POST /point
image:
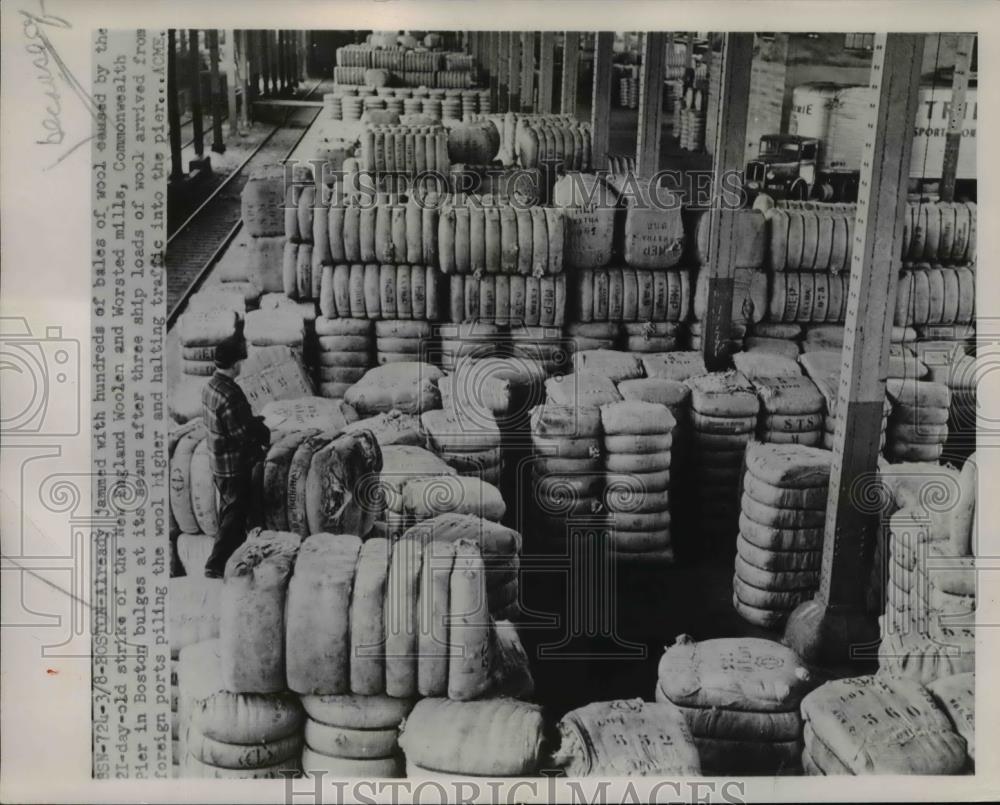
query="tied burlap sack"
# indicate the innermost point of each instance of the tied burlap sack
(736, 673)
(611, 363)
(391, 427)
(765, 364)
(252, 621)
(883, 725)
(674, 365)
(789, 465)
(317, 642)
(308, 412)
(410, 386)
(626, 738)
(351, 711)
(400, 464)
(726, 394)
(581, 389)
(494, 540)
(566, 421)
(223, 755)
(491, 737)
(636, 417)
(788, 395)
(672, 393)
(460, 430)
(738, 725)
(424, 498)
(340, 475)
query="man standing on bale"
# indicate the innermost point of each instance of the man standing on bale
(236, 439)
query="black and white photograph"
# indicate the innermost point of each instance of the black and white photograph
(554, 402)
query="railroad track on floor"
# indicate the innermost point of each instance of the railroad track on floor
(198, 243)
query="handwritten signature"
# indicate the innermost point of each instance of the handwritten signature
(49, 67)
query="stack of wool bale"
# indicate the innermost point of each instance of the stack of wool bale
(500, 547)
(878, 725)
(263, 212)
(779, 548)
(544, 346)
(918, 424)
(402, 463)
(586, 212)
(473, 340)
(927, 628)
(791, 406)
(400, 340)
(567, 474)
(410, 387)
(633, 295)
(823, 368)
(343, 355)
(948, 363)
(626, 738)
(193, 503)
(194, 617)
(200, 332)
(233, 733)
(379, 291)
(740, 697)
(470, 443)
(276, 327)
(724, 409)
(592, 335)
(778, 336)
(486, 402)
(444, 739)
(637, 442)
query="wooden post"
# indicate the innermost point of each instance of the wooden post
(283, 61)
(264, 60)
(689, 52)
(600, 106)
(494, 56)
(235, 75)
(570, 73)
(305, 40)
(215, 85)
(654, 49)
(826, 630)
(546, 71)
(956, 115)
(503, 72)
(173, 109)
(527, 71)
(730, 138)
(272, 59)
(514, 73)
(194, 76)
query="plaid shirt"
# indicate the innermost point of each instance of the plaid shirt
(234, 433)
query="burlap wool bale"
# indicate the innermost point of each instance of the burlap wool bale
(317, 643)
(674, 365)
(252, 619)
(738, 725)
(736, 673)
(224, 755)
(765, 365)
(566, 421)
(634, 417)
(909, 734)
(792, 466)
(460, 430)
(723, 394)
(612, 364)
(583, 389)
(424, 498)
(233, 718)
(390, 428)
(410, 387)
(626, 738)
(359, 712)
(492, 737)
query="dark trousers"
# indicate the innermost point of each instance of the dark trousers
(237, 514)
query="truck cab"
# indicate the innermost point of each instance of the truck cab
(785, 166)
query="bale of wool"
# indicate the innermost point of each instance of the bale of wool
(612, 364)
(723, 394)
(303, 413)
(340, 474)
(252, 619)
(367, 619)
(410, 387)
(195, 610)
(317, 643)
(882, 725)
(390, 428)
(469, 625)
(424, 498)
(766, 364)
(626, 738)
(359, 712)
(460, 430)
(490, 738)
(789, 466)
(583, 389)
(434, 610)
(402, 624)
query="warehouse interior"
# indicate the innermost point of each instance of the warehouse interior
(676, 329)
